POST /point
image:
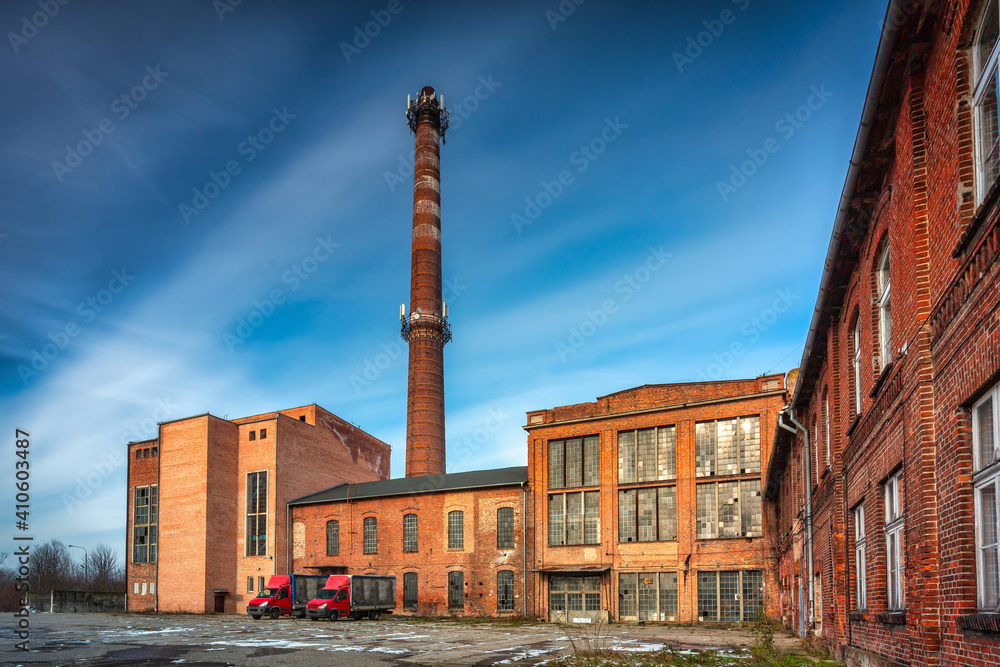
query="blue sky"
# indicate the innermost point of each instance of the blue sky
(654, 260)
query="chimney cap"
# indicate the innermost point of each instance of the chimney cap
(427, 91)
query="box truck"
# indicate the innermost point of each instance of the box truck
(285, 594)
(354, 596)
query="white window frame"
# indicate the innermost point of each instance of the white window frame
(986, 479)
(895, 551)
(860, 559)
(857, 366)
(826, 426)
(884, 276)
(984, 78)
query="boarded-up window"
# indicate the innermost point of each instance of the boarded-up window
(409, 590)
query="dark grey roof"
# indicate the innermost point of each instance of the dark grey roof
(476, 479)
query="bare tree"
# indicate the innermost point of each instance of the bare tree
(52, 567)
(107, 572)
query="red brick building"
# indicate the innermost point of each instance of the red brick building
(885, 496)
(647, 503)
(207, 501)
(454, 542)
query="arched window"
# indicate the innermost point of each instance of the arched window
(884, 287)
(856, 364)
(371, 535)
(826, 427)
(410, 533)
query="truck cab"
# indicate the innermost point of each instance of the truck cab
(333, 602)
(274, 600)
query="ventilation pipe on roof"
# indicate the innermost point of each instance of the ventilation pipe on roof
(787, 410)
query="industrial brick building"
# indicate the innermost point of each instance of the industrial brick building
(207, 501)
(454, 542)
(647, 503)
(886, 494)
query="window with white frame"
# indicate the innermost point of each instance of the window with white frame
(826, 427)
(984, 92)
(884, 309)
(856, 338)
(860, 542)
(986, 451)
(895, 552)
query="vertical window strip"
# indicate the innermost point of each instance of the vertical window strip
(333, 538)
(860, 560)
(505, 590)
(256, 534)
(592, 517)
(627, 515)
(626, 457)
(574, 462)
(591, 460)
(667, 454)
(557, 478)
(456, 529)
(704, 455)
(410, 535)
(646, 455)
(505, 528)
(370, 535)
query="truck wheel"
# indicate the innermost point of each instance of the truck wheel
(334, 615)
(373, 615)
(255, 617)
(275, 614)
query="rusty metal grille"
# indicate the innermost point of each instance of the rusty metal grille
(646, 455)
(667, 512)
(627, 516)
(667, 453)
(626, 457)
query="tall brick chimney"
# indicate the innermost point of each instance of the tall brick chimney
(426, 328)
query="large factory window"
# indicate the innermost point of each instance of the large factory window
(575, 462)
(333, 538)
(410, 588)
(257, 513)
(730, 597)
(456, 590)
(648, 596)
(646, 455)
(729, 509)
(371, 535)
(647, 515)
(456, 530)
(144, 524)
(409, 533)
(505, 590)
(505, 528)
(727, 446)
(575, 518)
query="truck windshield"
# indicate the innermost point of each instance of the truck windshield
(268, 593)
(326, 594)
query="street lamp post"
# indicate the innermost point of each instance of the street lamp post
(86, 568)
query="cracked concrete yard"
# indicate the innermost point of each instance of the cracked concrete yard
(216, 640)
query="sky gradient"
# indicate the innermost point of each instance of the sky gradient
(207, 207)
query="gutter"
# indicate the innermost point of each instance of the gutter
(788, 410)
(887, 42)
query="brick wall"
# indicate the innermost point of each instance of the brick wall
(680, 405)
(479, 559)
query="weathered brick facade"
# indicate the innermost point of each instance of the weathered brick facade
(199, 469)
(911, 196)
(648, 552)
(479, 558)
